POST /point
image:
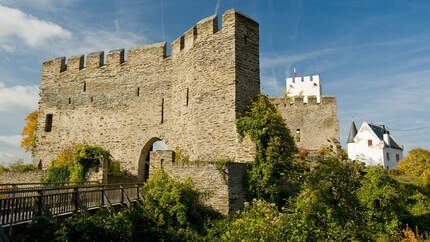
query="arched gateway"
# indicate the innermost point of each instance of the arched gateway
(153, 144)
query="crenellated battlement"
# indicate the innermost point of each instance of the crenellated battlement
(304, 86)
(300, 101)
(204, 29)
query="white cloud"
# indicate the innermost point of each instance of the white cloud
(47, 5)
(17, 25)
(13, 140)
(18, 97)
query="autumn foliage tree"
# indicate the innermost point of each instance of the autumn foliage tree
(28, 141)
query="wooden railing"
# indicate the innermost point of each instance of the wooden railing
(22, 205)
(32, 186)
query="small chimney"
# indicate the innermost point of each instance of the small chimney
(387, 139)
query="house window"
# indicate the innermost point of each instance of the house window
(48, 123)
(388, 156)
(369, 143)
(397, 157)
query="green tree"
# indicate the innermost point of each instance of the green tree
(28, 141)
(259, 221)
(417, 161)
(328, 208)
(381, 197)
(274, 148)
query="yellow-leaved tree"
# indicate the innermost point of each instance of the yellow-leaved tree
(28, 141)
(416, 164)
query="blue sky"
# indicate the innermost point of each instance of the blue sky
(374, 55)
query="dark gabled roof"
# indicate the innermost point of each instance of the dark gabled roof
(379, 131)
(352, 133)
(394, 144)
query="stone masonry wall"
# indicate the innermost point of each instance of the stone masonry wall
(224, 184)
(317, 122)
(190, 99)
(9, 177)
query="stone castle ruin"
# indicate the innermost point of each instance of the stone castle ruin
(189, 99)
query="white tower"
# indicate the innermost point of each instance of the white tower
(304, 86)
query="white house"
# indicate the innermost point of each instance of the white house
(374, 145)
(304, 86)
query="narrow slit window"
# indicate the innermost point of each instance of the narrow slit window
(188, 96)
(85, 86)
(138, 92)
(162, 110)
(245, 40)
(92, 99)
(48, 123)
(70, 100)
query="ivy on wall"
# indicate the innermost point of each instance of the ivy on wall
(74, 162)
(274, 148)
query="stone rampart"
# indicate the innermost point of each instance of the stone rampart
(222, 181)
(312, 124)
(9, 177)
(190, 99)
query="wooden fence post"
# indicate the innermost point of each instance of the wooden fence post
(75, 199)
(39, 203)
(103, 195)
(122, 193)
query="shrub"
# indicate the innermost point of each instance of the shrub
(381, 196)
(115, 169)
(327, 208)
(172, 203)
(260, 221)
(57, 175)
(77, 160)
(40, 229)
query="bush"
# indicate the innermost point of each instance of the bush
(57, 175)
(260, 221)
(40, 229)
(381, 196)
(327, 208)
(77, 160)
(172, 203)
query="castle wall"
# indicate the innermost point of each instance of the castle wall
(223, 183)
(9, 177)
(189, 99)
(316, 122)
